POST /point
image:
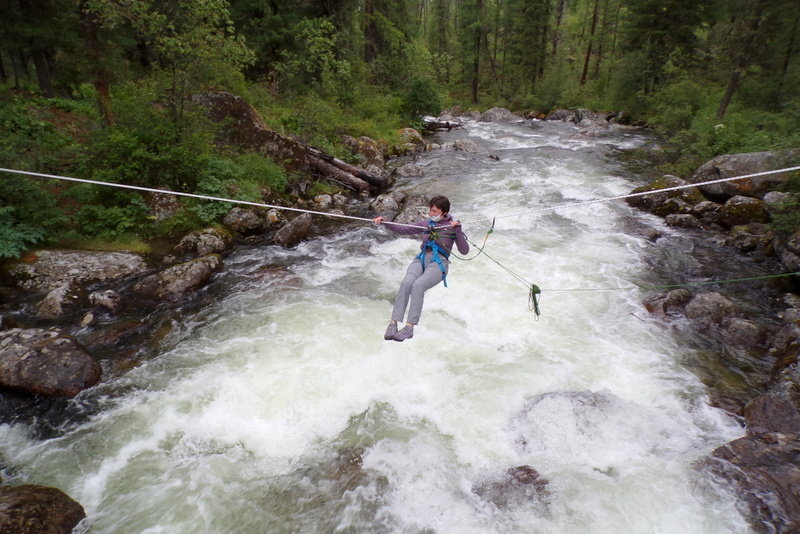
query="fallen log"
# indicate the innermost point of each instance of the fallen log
(433, 125)
(339, 176)
(378, 182)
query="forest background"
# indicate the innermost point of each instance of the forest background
(102, 89)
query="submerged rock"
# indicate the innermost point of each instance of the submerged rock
(522, 484)
(43, 362)
(31, 509)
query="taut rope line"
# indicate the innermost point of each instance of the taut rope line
(191, 195)
(640, 194)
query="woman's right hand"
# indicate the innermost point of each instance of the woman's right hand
(377, 220)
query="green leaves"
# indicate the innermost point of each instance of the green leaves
(16, 237)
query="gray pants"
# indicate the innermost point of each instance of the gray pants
(413, 287)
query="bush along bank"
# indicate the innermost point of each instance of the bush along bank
(757, 218)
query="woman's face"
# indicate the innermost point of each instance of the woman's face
(434, 211)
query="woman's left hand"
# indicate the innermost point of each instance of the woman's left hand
(455, 223)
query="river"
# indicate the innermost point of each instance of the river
(279, 407)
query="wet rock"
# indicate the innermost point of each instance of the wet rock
(240, 220)
(731, 165)
(765, 470)
(57, 302)
(740, 332)
(294, 231)
(785, 347)
(779, 203)
(563, 115)
(43, 362)
(387, 204)
(707, 211)
(108, 299)
(410, 171)
(412, 140)
(497, 115)
(771, 412)
(31, 509)
(518, 485)
(711, 307)
(205, 242)
(788, 251)
(179, 280)
(743, 210)
(667, 202)
(414, 209)
(465, 145)
(682, 220)
(275, 218)
(664, 303)
(45, 270)
(747, 238)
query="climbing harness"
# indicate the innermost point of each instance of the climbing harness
(435, 251)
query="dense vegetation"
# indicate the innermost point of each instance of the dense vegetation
(102, 89)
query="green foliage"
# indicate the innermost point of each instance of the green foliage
(421, 98)
(16, 237)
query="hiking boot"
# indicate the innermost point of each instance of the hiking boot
(406, 333)
(391, 331)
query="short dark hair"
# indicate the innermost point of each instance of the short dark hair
(440, 202)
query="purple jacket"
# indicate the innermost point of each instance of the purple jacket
(447, 235)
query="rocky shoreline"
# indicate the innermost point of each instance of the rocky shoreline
(69, 318)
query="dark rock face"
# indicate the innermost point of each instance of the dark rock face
(517, 485)
(33, 509)
(766, 471)
(294, 231)
(43, 362)
(180, 280)
(710, 307)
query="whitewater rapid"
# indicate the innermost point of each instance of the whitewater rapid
(280, 408)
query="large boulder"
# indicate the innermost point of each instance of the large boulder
(294, 231)
(243, 220)
(46, 270)
(765, 470)
(732, 165)
(743, 210)
(666, 202)
(57, 302)
(180, 280)
(371, 152)
(43, 362)
(518, 485)
(711, 307)
(497, 115)
(205, 242)
(31, 509)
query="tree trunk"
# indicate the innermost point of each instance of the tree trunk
(733, 84)
(3, 75)
(560, 9)
(586, 60)
(43, 73)
(99, 73)
(477, 51)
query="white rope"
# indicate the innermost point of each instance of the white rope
(191, 195)
(640, 194)
(342, 216)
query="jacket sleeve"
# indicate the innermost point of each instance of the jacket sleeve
(461, 240)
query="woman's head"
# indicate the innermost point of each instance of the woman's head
(440, 202)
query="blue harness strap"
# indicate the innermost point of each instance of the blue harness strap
(436, 251)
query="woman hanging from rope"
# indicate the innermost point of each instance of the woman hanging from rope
(429, 268)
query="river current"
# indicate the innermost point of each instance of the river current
(279, 408)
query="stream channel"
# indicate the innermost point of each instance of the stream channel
(278, 407)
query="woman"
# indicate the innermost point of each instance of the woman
(429, 268)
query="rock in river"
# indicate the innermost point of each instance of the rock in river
(179, 280)
(44, 362)
(31, 509)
